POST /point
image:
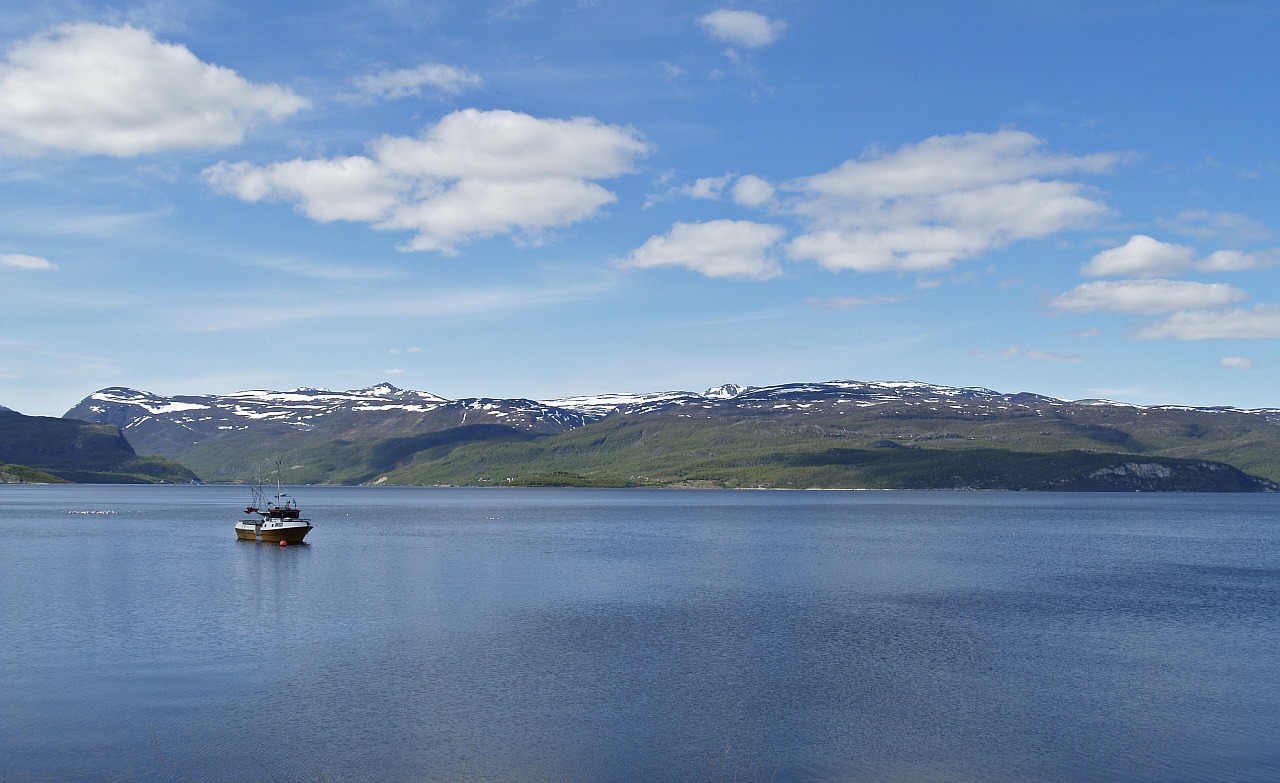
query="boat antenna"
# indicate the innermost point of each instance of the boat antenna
(278, 480)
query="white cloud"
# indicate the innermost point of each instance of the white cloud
(1236, 363)
(478, 208)
(950, 164)
(1229, 226)
(296, 266)
(472, 175)
(852, 302)
(1141, 256)
(507, 145)
(1033, 355)
(945, 199)
(747, 29)
(751, 191)
(1262, 322)
(511, 10)
(1237, 261)
(23, 261)
(402, 83)
(357, 304)
(95, 89)
(348, 188)
(708, 187)
(719, 248)
(747, 190)
(94, 224)
(1148, 297)
(1050, 356)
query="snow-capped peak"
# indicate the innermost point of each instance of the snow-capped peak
(383, 389)
(725, 392)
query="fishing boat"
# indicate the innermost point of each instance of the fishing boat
(278, 520)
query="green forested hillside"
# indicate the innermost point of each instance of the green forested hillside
(669, 450)
(869, 450)
(21, 474)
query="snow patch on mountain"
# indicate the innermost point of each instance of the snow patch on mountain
(598, 406)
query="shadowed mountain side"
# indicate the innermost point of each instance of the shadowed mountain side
(78, 451)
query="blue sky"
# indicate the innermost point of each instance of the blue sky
(542, 199)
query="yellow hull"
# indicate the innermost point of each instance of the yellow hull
(290, 534)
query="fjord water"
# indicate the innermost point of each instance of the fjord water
(579, 635)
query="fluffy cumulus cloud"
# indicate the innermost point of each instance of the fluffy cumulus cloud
(1261, 322)
(746, 29)
(346, 188)
(1144, 256)
(751, 191)
(1148, 297)
(719, 248)
(24, 261)
(946, 199)
(1141, 256)
(748, 190)
(405, 82)
(474, 174)
(707, 187)
(97, 89)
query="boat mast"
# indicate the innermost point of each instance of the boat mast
(258, 497)
(279, 491)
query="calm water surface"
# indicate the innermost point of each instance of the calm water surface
(616, 635)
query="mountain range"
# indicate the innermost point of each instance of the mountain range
(834, 434)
